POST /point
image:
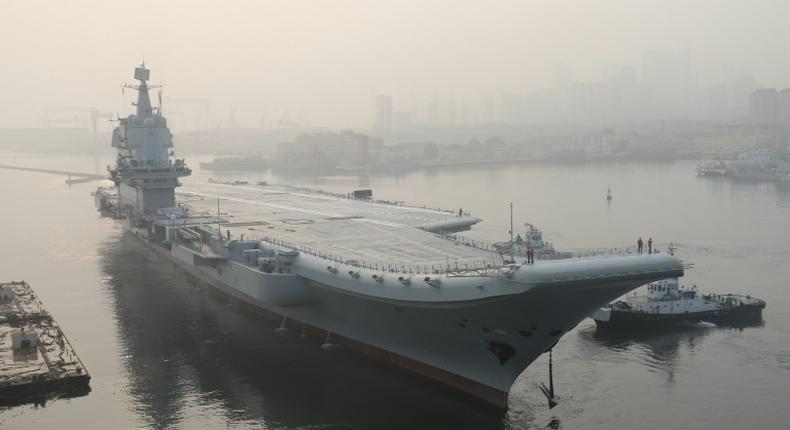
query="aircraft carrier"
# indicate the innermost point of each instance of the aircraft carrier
(383, 279)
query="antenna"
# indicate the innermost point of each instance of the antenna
(159, 94)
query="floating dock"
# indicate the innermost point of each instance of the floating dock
(37, 362)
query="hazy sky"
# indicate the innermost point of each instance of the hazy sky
(329, 58)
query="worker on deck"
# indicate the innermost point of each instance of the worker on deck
(639, 245)
(650, 245)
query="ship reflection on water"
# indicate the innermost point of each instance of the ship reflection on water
(189, 352)
(670, 336)
(664, 341)
(659, 348)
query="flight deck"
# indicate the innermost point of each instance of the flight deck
(376, 233)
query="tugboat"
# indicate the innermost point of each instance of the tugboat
(668, 302)
(713, 168)
(534, 238)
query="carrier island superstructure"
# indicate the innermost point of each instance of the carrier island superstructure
(383, 279)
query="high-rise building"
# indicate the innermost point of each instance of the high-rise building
(452, 113)
(432, 114)
(463, 118)
(343, 149)
(783, 106)
(742, 88)
(717, 101)
(763, 106)
(401, 120)
(382, 125)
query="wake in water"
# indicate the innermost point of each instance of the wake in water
(704, 324)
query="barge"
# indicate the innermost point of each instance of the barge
(37, 362)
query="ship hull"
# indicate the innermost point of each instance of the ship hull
(627, 319)
(478, 348)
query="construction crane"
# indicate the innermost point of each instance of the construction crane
(96, 115)
(202, 105)
(75, 115)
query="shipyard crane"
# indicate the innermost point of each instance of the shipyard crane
(67, 114)
(202, 105)
(78, 115)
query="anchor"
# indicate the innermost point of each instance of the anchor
(549, 391)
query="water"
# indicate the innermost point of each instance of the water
(165, 352)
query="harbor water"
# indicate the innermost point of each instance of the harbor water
(164, 352)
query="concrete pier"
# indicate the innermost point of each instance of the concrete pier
(73, 177)
(37, 361)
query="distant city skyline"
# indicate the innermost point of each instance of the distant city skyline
(653, 92)
(446, 62)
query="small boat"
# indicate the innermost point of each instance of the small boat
(251, 163)
(235, 182)
(668, 302)
(713, 168)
